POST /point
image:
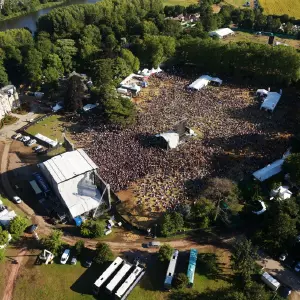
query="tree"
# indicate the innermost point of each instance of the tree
(54, 69)
(3, 76)
(17, 225)
(131, 60)
(291, 166)
(181, 281)
(3, 236)
(33, 66)
(2, 254)
(202, 212)
(165, 252)
(221, 189)
(74, 94)
(66, 50)
(79, 246)
(92, 229)
(53, 242)
(171, 223)
(243, 259)
(120, 111)
(103, 253)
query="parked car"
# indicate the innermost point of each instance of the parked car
(37, 148)
(73, 260)
(31, 142)
(25, 139)
(65, 257)
(284, 291)
(32, 228)
(87, 263)
(297, 267)
(153, 244)
(17, 199)
(16, 136)
(283, 256)
(42, 151)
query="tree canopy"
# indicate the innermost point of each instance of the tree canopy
(17, 225)
(103, 253)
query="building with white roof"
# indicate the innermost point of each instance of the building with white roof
(221, 33)
(73, 176)
(203, 81)
(9, 99)
(281, 193)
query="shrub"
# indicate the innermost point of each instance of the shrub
(165, 252)
(17, 225)
(181, 281)
(92, 229)
(103, 253)
(79, 246)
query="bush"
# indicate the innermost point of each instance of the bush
(103, 253)
(2, 254)
(3, 236)
(54, 242)
(79, 246)
(171, 223)
(92, 229)
(17, 225)
(165, 252)
(181, 281)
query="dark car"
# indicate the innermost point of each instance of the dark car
(284, 291)
(87, 263)
(42, 152)
(32, 228)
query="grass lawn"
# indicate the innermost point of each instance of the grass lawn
(180, 2)
(12, 206)
(55, 282)
(52, 127)
(281, 7)
(237, 3)
(250, 37)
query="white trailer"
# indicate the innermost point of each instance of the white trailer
(106, 274)
(270, 281)
(118, 278)
(171, 270)
(128, 282)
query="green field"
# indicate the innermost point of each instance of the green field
(237, 3)
(281, 7)
(180, 2)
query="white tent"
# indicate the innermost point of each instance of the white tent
(46, 140)
(263, 209)
(221, 33)
(57, 107)
(203, 81)
(271, 101)
(7, 217)
(89, 107)
(269, 171)
(282, 193)
(172, 138)
(262, 92)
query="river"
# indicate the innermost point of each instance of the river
(30, 19)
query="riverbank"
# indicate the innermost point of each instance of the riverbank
(24, 13)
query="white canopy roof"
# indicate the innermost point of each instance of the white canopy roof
(172, 138)
(282, 192)
(262, 91)
(89, 107)
(57, 107)
(263, 209)
(203, 81)
(269, 171)
(222, 32)
(7, 217)
(271, 101)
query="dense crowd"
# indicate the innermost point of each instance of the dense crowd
(233, 138)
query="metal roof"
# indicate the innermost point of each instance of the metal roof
(192, 265)
(68, 165)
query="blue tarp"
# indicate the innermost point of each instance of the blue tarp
(78, 221)
(41, 181)
(192, 265)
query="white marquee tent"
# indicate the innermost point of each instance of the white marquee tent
(172, 138)
(271, 101)
(203, 81)
(221, 33)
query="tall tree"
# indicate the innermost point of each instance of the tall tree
(54, 242)
(17, 225)
(103, 253)
(74, 94)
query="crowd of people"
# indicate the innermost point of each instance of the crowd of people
(234, 138)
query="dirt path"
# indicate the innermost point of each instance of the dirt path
(9, 288)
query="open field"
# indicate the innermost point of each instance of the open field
(180, 2)
(60, 282)
(237, 3)
(241, 36)
(281, 7)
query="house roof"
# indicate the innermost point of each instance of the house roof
(221, 32)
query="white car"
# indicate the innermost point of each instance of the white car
(297, 267)
(25, 139)
(37, 148)
(283, 257)
(31, 142)
(17, 199)
(65, 257)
